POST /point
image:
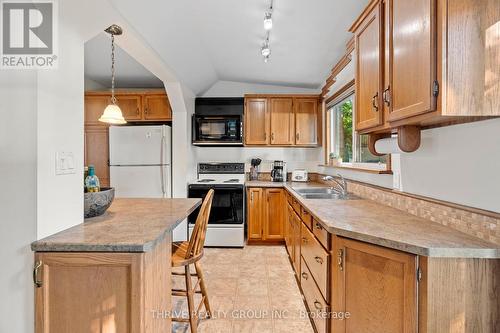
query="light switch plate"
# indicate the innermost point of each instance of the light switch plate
(65, 163)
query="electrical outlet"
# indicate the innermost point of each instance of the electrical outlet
(65, 163)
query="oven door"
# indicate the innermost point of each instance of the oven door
(215, 130)
(227, 204)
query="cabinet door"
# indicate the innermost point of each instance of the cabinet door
(256, 121)
(274, 214)
(412, 57)
(368, 71)
(130, 106)
(157, 107)
(94, 107)
(290, 233)
(376, 285)
(306, 121)
(96, 152)
(255, 213)
(282, 121)
(82, 292)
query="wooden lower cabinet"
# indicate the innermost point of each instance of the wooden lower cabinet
(377, 286)
(266, 214)
(83, 292)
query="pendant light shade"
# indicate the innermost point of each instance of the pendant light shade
(112, 113)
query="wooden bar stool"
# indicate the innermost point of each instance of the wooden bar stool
(186, 253)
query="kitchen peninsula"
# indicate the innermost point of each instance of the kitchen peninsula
(112, 272)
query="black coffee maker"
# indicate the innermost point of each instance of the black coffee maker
(278, 173)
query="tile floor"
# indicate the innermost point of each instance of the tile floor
(251, 290)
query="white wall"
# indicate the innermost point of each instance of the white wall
(459, 163)
(60, 128)
(90, 84)
(296, 158)
(238, 89)
(18, 97)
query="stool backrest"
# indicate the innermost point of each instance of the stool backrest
(197, 240)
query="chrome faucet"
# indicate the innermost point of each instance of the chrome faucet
(340, 186)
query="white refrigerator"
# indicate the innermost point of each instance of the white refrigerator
(140, 161)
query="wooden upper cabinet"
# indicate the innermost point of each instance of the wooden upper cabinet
(282, 121)
(376, 285)
(255, 212)
(130, 106)
(157, 107)
(369, 65)
(306, 121)
(275, 214)
(256, 121)
(412, 58)
(94, 107)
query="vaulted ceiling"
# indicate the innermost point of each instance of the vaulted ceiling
(205, 41)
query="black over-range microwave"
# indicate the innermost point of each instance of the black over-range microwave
(218, 122)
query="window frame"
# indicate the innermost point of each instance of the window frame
(341, 94)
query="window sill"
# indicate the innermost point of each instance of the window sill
(359, 167)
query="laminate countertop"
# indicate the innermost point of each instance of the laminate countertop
(374, 223)
(129, 225)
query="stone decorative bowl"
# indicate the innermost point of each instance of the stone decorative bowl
(96, 203)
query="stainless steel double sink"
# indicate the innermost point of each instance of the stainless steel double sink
(321, 193)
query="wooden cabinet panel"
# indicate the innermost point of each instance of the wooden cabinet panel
(273, 226)
(96, 152)
(317, 260)
(255, 212)
(376, 285)
(94, 107)
(256, 121)
(368, 72)
(472, 51)
(314, 299)
(289, 232)
(157, 107)
(296, 243)
(306, 121)
(306, 217)
(103, 292)
(130, 106)
(412, 57)
(282, 121)
(321, 234)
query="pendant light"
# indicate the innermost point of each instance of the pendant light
(112, 113)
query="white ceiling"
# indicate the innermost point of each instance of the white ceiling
(129, 73)
(206, 41)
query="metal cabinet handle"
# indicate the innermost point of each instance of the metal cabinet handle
(272, 136)
(385, 96)
(318, 226)
(38, 283)
(145, 110)
(304, 240)
(318, 305)
(305, 276)
(340, 259)
(374, 104)
(137, 111)
(319, 260)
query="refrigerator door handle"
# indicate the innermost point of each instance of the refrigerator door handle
(162, 175)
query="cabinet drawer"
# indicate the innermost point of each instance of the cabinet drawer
(317, 260)
(306, 217)
(314, 299)
(321, 234)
